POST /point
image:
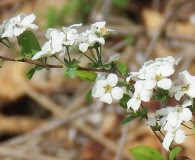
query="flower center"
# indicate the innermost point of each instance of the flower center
(185, 88)
(159, 77)
(108, 88)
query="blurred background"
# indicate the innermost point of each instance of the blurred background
(47, 118)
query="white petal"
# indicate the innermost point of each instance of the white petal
(83, 47)
(151, 121)
(117, 93)
(191, 92)
(179, 136)
(106, 98)
(179, 94)
(167, 140)
(97, 91)
(187, 103)
(28, 19)
(164, 83)
(112, 79)
(145, 95)
(185, 114)
(134, 104)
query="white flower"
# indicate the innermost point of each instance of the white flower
(185, 84)
(106, 89)
(156, 72)
(101, 30)
(71, 34)
(46, 51)
(56, 38)
(89, 39)
(177, 115)
(140, 94)
(178, 136)
(17, 25)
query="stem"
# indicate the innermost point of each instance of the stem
(89, 58)
(58, 59)
(186, 126)
(67, 48)
(93, 55)
(158, 137)
(37, 63)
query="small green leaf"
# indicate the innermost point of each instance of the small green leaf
(86, 75)
(70, 72)
(30, 73)
(174, 152)
(28, 43)
(122, 68)
(89, 97)
(107, 66)
(124, 100)
(144, 111)
(129, 119)
(145, 153)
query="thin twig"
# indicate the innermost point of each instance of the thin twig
(37, 63)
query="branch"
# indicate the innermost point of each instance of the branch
(37, 63)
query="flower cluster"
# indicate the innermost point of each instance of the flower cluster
(152, 75)
(17, 25)
(69, 40)
(170, 119)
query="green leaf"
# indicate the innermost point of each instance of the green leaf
(123, 101)
(129, 119)
(89, 97)
(30, 73)
(70, 72)
(86, 75)
(28, 43)
(174, 153)
(122, 68)
(161, 95)
(145, 153)
(144, 111)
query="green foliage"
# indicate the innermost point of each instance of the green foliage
(123, 101)
(121, 3)
(174, 152)
(89, 97)
(145, 153)
(74, 9)
(70, 68)
(32, 71)
(52, 17)
(86, 75)
(122, 68)
(140, 113)
(161, 95)
(28, 43)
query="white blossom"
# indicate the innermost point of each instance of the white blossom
(178, 136)
(156, 72)
(107, 89)
(100, 29)
(17, 25)
(46, 51)
(185, 84)
(140, 94)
